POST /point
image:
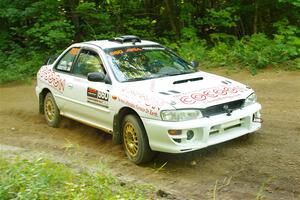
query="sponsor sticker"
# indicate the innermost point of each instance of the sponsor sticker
(119, 51)
(52, 78)
(97, 97)
(141, 101)
(74, 51)
(211, 95)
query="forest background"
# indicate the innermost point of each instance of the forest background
(236, 34)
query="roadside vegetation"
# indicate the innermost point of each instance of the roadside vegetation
(238, 34)
(45, 179)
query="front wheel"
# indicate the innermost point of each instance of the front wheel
(135, 140)
(51, 111)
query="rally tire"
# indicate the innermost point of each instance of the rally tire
(51, 111)
(135, 140)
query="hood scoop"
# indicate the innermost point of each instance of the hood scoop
(188, 80)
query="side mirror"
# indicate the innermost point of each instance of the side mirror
(98, 77)
(195, 64)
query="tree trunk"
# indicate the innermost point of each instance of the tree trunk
(70, 6)
(255, 17)
(170, 7)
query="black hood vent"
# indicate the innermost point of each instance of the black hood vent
(165, 93)
(170, 92)
(173, 91)
(188, 80)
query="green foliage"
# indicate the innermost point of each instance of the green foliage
(44, 179)
(220, 55)
(220, 18)
(55, 34)
(250, 34)
(287, 34)
(140, 26)
(94, 24)
(222, 37)
(253, 52)
(192, 50)
(294, 2)
(20, 65)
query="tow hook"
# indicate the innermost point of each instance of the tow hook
(258, 120)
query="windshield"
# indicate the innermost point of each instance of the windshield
(145, 62)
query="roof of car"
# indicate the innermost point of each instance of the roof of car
(107, 44)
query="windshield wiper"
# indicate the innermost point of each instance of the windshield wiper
(174, 74)
(179, 73)
(156, 76)
(138, 79)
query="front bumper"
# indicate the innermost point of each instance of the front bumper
(206, 131)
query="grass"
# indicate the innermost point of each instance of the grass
(44, 179)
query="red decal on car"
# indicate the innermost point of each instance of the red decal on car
(91, 90)
(52, 78)
(187, 100)
(211, 95)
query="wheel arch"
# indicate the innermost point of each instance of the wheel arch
(117, 124)
(42, 96)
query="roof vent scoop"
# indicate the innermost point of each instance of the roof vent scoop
(126, 38)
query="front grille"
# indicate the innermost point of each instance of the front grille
(219, 109)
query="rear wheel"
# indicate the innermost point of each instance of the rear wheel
(51, 111)
(135, 140)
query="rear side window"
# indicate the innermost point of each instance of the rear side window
(66, 62)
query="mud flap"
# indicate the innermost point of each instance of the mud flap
(117, 136)
(41, 103)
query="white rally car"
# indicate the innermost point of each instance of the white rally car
(146, 96)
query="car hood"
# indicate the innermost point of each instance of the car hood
(196, 90)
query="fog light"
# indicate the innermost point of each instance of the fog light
(189, 134)
(174, 132)
(177, 140)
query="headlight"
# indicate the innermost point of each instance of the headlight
(251, 99)
(180, 115)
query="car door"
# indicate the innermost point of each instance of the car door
(62, 77)
(88, 101)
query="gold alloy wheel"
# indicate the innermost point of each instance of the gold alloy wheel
(49, 109)
(130, 139)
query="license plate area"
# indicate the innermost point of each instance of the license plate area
(226, 126)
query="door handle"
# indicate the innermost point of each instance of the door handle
(70, 85)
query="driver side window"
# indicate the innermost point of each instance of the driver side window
(88, 61)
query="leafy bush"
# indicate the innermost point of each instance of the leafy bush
(43, 179)
(225, 17)
(140, 26)
(20, 65)
(220, 55)
(55, 34)
(251, 52)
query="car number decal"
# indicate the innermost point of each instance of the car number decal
(97, 97)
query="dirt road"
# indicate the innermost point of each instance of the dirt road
(265, 164)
